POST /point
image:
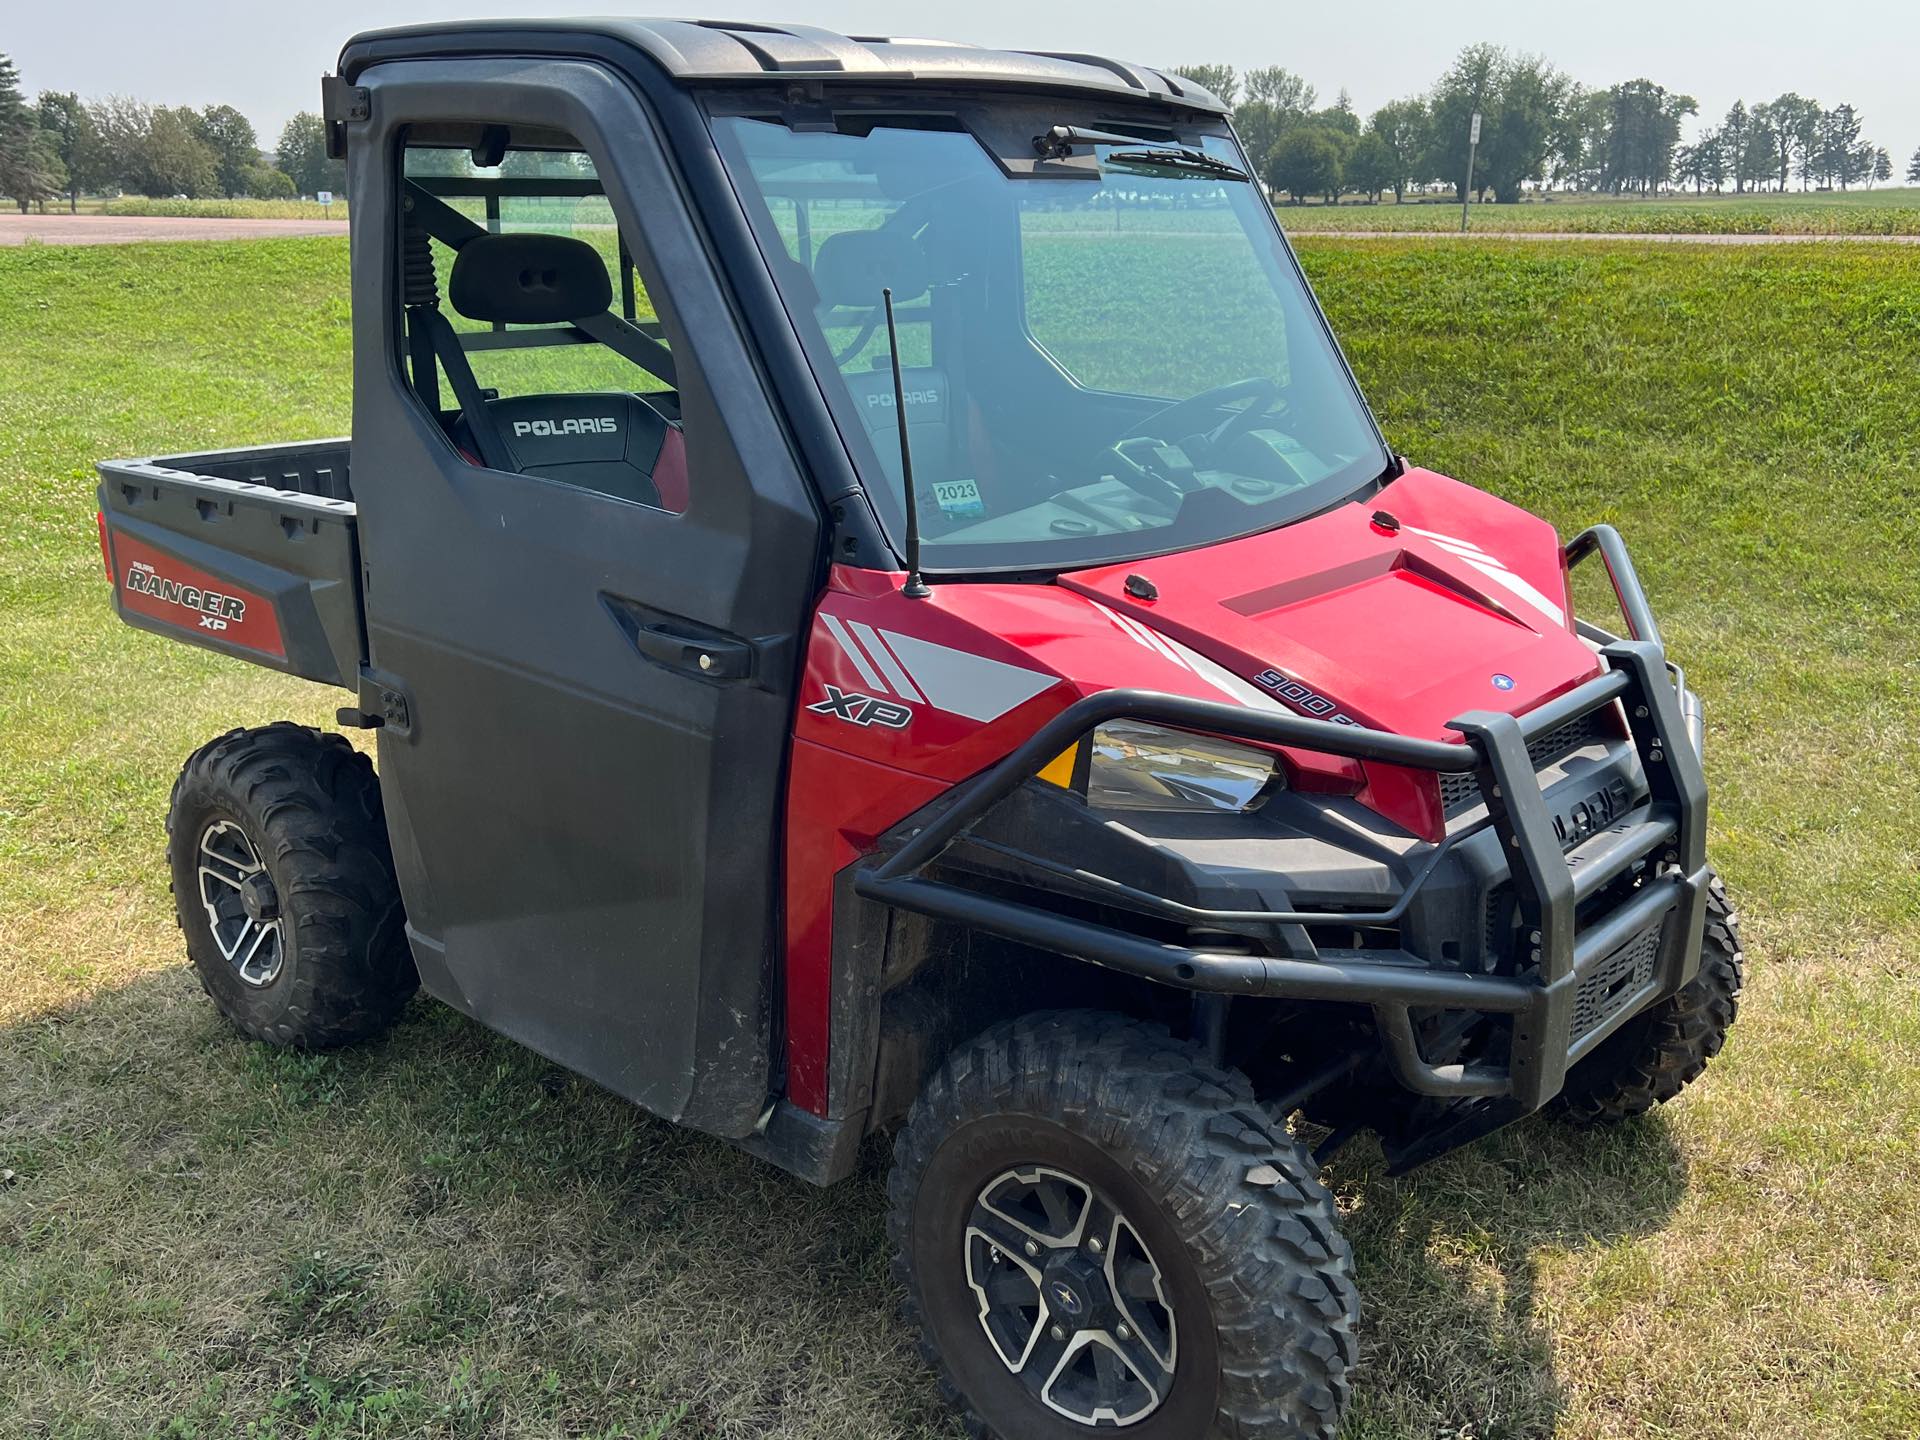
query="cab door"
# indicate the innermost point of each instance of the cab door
(588, 698)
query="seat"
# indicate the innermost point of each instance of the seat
(849, 273)
(617, 444)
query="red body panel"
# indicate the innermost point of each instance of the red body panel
(153, 583)
(1463, 607)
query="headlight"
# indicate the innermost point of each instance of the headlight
(1143, 767)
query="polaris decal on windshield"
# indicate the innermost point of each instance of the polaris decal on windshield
(858, 709)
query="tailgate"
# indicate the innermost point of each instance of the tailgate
(241, 566)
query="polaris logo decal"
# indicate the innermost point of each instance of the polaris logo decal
(585, 425)
(858, 709)
(217, 611)
(883, 399)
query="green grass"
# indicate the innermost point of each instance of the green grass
(1855, 212)
(225, 209)
(440, 1234)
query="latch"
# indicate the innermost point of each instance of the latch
(341, 105)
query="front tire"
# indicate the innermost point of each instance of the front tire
(283, 884)
(1095, 1227)
(1658, 1053)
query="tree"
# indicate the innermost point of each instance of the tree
(1790, 123)
(154, 150)
(302, 154)
(1220, 79)
(1643, 129)
(1516, 135)
(1401, 126)
(1735, 132)
(1836, 153)
(1470, 84)
(30, 169)
(1882, 166)
(68, 128)
(1371, 167)
(1913, 167)
(267, 183)
(1305, 162)
(236, 149)
(1577, 144)
(1282, 89)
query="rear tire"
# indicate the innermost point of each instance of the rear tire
(1658, 1053)
(283, 884)
(1224, 1249)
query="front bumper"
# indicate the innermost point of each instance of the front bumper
(1607, 927)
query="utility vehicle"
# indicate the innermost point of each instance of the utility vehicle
(881, 607)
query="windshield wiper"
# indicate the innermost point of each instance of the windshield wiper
(1165, 158)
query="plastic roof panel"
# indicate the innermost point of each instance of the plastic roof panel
(721, 51)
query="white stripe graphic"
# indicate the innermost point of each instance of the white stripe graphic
(883, 657)
(854, 653)
(1491, 568)
(963, 682)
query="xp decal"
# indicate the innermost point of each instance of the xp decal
(857, 709)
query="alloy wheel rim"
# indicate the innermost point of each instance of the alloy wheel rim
(243, 908)
(1071, 1300)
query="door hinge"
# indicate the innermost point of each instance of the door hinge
(342, 105)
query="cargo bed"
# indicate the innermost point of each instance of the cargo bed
(252, 552)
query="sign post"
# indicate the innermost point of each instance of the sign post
(1466, 195)
(325, 197)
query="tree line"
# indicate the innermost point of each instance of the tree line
(1539, 128)
(60, 146)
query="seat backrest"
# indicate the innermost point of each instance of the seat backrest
(939, 451)
(617, 444)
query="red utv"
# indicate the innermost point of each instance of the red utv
(881, 606)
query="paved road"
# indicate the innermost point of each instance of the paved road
(119, 229)
(1581, 235)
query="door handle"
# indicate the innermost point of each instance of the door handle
(704, 655)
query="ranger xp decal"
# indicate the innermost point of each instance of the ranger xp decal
(220, 609)
(858, 709)
(159, 587)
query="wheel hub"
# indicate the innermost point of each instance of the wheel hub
(242, 904)
(1071, 1300)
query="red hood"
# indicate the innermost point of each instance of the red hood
(1461, 608)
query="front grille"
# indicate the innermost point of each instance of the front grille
(1461, 791)
(1615, 981)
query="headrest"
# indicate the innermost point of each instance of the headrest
(853, 266)
(528, 279)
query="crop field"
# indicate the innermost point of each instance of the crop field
(440, 1234)
(1853, 212)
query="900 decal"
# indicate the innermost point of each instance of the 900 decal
(1296, 694)
(858, 709)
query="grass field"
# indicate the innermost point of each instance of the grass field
(223, 209)
(1853, 212)
(440, 1234)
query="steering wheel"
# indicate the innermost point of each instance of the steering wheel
(1174, 422)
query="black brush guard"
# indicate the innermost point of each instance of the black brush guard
(1560, 956)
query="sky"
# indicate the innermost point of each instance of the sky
(266, 57)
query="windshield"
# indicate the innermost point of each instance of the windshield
(1105, 356)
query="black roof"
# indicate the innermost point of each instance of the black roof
(725, 50)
